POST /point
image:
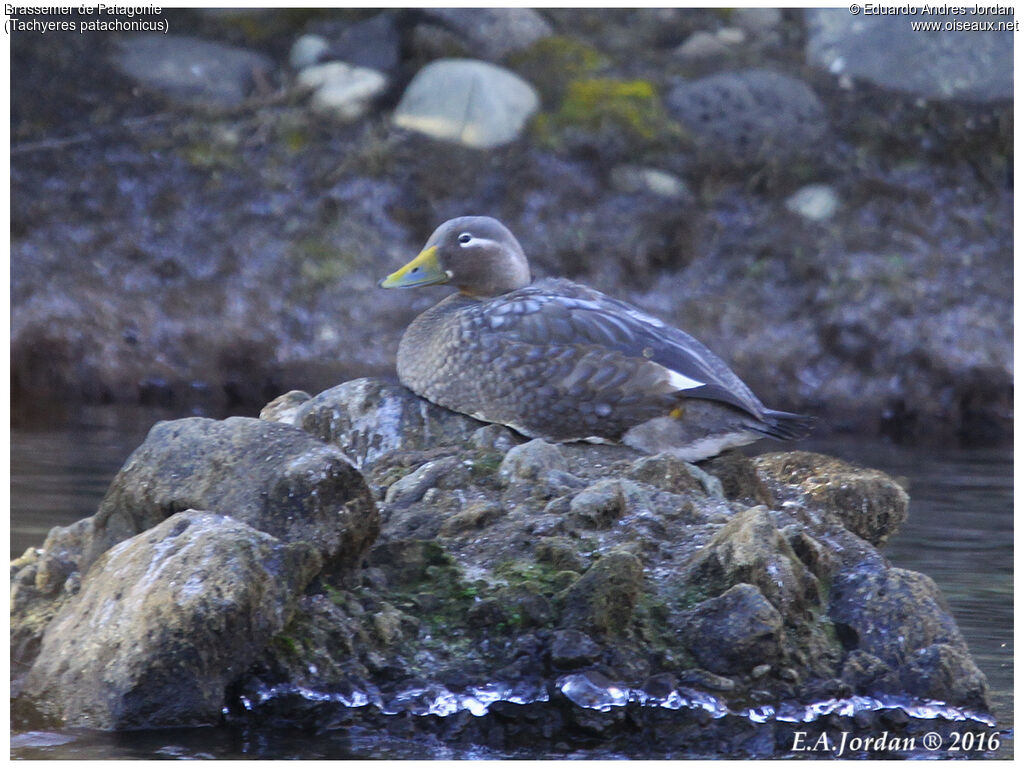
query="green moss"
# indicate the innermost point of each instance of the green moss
(552, 63)
(541, 578)
(630, 109)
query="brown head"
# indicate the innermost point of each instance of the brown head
(476, 254)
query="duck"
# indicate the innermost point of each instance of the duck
(563, 362)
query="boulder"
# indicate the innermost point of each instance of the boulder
(938, 64)
(192, 71)
(469, 102)
(275, 478)
(749, 116)
(164, 621)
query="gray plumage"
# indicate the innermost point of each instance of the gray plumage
(563, 362)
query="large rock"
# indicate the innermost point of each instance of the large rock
(368, 419)
(190, 70)
(164, 621)
(595, 590)
(469, 102)
(275, 478)
(937, 64)
(868, 502)
(749, 116)
(902, 619)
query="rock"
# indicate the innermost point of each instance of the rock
(190, 70)
(749, 116)
(669, 473)
(571, 648)
(733, 633)
(285, 408)
(945, 672)
(469, 102)
(731, 35)
(342, 90)
(702, 46)
(273, 477)
(941, 64)
(815, 202)
(739, 478)
(413, 486)
(143, 646)
(559, 552)
(869, 503)
(603, 599)
(870, 610)
(492, 33)
(757, 22)
(530, 461)
(373, 43)
(369, 419)
(632, 179)
(307, 51)
(554, 577)
(749, 549)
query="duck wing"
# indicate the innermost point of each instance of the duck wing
(556, 312)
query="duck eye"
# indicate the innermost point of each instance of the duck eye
(465, 237)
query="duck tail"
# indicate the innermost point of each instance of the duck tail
(786, 426)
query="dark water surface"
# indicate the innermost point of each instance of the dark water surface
(960, 532)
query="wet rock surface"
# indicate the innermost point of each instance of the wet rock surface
(567, 594)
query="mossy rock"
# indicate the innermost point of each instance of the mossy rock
(552, 63)
(619, 115)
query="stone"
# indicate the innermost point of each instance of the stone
(601, 602)
(669, 473)
(342, 90)
(374, 43)
(941, 64)
(632, 179)
(571, 648)
(815, 202)
(369, 419)
(273, 477)
(190, 70)
(736, 632)
(749, 116)
(492, 33)
(868, 502)
(469, 102)
(308, 50)
(531, 461)
(702, 46)
(142, 646)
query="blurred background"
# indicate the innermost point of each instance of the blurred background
(199, 220)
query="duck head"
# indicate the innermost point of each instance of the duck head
(476, 254)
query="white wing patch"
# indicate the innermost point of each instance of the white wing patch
(678, 381)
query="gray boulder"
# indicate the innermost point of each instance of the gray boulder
(964, 64)
(749, 116)
(164, 621)
(192, 71)
(275, 478)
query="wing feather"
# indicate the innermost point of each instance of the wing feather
(557, 312)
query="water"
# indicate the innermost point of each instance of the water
(960, 532)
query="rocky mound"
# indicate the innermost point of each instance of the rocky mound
(564, 594)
